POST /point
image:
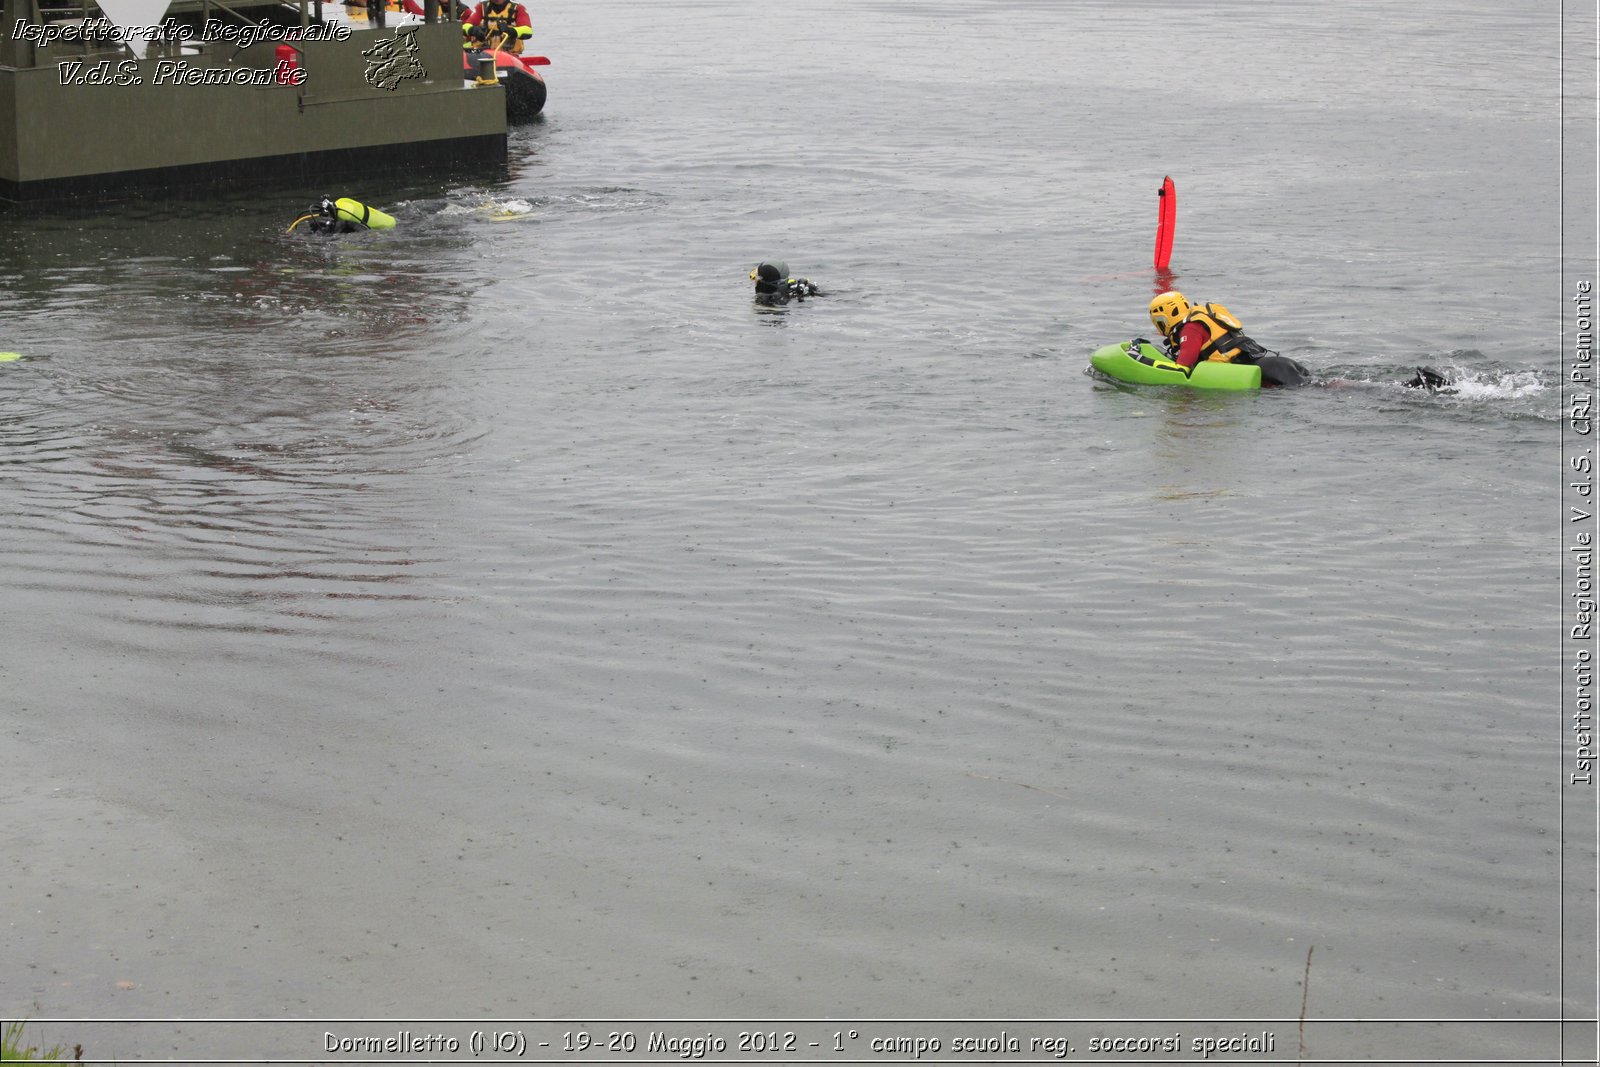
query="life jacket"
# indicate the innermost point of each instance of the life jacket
(1227, 341)
(503, 20)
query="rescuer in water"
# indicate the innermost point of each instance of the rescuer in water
(1194, 332)
(775, 286)
(342, 216)
(1210, 331)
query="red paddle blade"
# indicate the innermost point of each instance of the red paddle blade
(536, 61)
(1166, 222)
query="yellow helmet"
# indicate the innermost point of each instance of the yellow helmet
(1167, 310)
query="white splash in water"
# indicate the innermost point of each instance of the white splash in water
(511, 207)
(1496, 385)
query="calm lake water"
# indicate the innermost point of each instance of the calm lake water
(507, 618)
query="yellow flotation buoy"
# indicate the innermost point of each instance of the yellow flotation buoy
(362, 215)
(10, 357)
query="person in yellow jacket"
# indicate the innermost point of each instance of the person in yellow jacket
(1210, 331)
(499, 24)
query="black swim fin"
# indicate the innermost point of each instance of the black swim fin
(1427, 378)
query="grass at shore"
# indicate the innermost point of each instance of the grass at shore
(13, 1048)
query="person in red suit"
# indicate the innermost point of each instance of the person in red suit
(498, 23)
(1195, 332)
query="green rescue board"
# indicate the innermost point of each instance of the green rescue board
(1146, 365)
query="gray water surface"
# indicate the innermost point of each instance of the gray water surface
(508, 618)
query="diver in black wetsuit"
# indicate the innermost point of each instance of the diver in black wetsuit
(774, 286)
(328, 216)
(327, 220)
